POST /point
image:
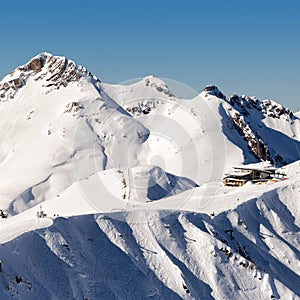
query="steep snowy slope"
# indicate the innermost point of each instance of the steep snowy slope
(211, 130)
(129, 177)
(51, 131)
(61, 124)
(248, 252)
(267, 122)
(186, 136)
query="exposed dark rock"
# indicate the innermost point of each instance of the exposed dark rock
(55, 71)
(246, 107)
(214, 91)
(160, 88)
(36, 64)
(5, 86)
(18, 82)
(269, 108)
(255, 143)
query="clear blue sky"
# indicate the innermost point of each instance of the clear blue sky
(248, 47)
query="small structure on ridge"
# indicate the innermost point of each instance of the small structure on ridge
(254, 173)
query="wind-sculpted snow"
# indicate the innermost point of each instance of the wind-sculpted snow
(127, 183)
(249, 252)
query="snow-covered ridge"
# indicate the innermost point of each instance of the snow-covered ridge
(244, 104)
(127, 184)
(268, 107)
(54, 71)
(256, 121)
(214, 91)
(247, 252)
(158, 84)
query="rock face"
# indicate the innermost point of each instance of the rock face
(36, 64)
(255, 143)
(158, 84)
(248, 116)
(214, 91)
(268, 107)
(248, 108)
(53, 71)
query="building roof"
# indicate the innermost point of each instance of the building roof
(269, 170)
(264, 166)
(235, 179)
(239, 173)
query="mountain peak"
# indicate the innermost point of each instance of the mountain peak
(268, 107)
(53, 71)
(158, 84)
(214, 91)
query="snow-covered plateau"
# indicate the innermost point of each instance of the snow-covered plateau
(116, 191)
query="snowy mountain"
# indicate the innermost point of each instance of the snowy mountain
(130, 180)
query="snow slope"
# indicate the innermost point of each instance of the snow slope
(52, 136)
(61, 124)
(130, 179)
(247, 252)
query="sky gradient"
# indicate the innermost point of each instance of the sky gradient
(247, 47)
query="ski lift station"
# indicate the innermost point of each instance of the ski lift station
(254, 173)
